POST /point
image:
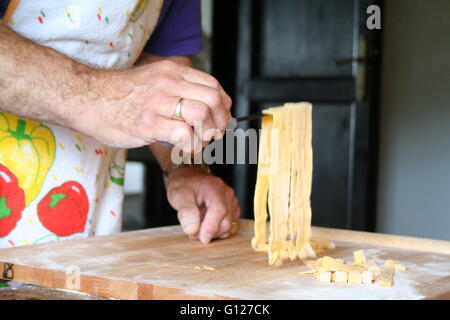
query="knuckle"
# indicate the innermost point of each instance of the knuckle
(165, 80)
(214, 82)
(183, 128)
(210, 80)
(214, 180)
(188, 213)
(222, 125)
(149, 118)
(214, 99)
(172, 194)
(229, 102)
(167, 64)
(226, 224)
(156, 97)
(220, 209)
(181, 132)
(201, 113)
(211, 228)
(181, 215)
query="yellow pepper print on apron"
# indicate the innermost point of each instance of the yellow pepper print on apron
(27, 148)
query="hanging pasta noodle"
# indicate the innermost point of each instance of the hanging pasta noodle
(283, 184)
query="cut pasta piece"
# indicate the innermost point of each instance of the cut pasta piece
(355, 277)
(283, 184)
(362, 270)
(386, 276)
(391, 264)
(340, 277)
(329, 264)
(360, 258)
(367, 277)
(325, 276)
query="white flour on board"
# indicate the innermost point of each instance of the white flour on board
(406, 284)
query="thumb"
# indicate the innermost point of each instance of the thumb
(189, 217)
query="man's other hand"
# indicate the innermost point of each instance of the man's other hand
(206, 206)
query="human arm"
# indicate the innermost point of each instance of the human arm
(122, 108)
(37, 81)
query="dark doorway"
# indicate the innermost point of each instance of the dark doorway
(267, 52)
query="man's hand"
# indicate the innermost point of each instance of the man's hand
(132, 108)
(206, 205)
(122, 108)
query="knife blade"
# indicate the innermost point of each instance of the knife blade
(232, 125)
(235, 121)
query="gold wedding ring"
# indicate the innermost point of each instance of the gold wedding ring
(177, 114)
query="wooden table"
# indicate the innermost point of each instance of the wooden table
(162, 263)
(31, 292)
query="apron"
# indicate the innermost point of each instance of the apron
(56, 183)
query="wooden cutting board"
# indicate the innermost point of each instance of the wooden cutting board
(162, 263)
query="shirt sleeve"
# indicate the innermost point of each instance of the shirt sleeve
(179, 31)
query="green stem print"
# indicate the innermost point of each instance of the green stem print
(4, 210)
(41, 239)
(116, 171)
(56, 198)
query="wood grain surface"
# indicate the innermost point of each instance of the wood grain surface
(162, 263)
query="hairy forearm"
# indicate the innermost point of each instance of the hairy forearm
(37, 82)
(121, 108)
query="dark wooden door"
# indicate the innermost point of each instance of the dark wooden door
(308, 50)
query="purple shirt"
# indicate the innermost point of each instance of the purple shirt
(178, 32)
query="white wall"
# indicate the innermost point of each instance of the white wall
(134, 177)
(207, 7)
(414, 172)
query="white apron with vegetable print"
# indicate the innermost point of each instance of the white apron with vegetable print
(56, 183)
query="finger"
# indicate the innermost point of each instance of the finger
(198, 115)
(210, 226)
(194, 112)
(177, 133)
(195, 236)
(188, 213)
(192, 75)
(210, 97)
(197, 76)
(225, 235)
(189, 218)
(225, 226)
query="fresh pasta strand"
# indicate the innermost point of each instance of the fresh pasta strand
(283, 184)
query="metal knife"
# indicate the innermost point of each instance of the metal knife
(232, 125)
